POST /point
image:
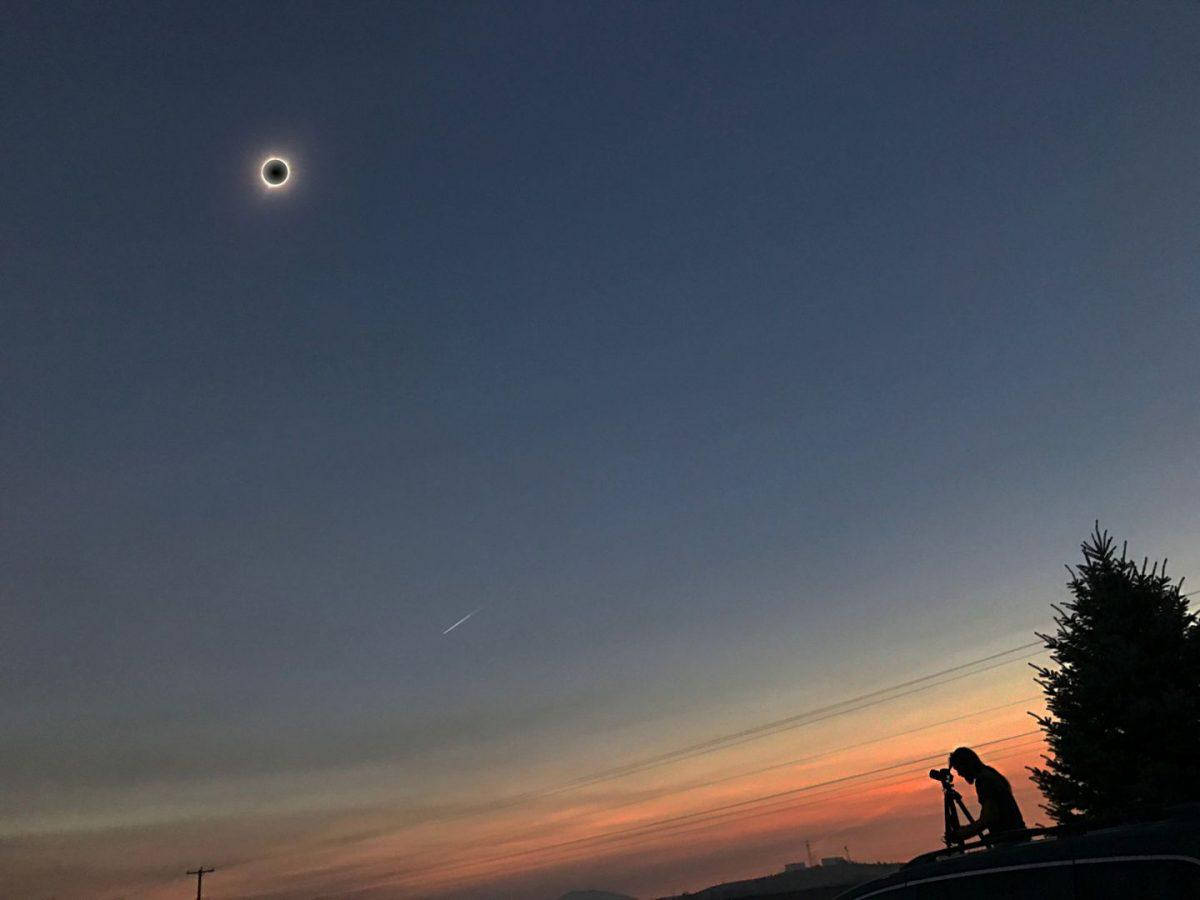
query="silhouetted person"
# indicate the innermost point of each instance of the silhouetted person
(998, 810)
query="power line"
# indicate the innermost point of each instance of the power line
(726, 818)
(809, 787)
(721, 742)
(794, 721)
(854, 709)
(811, 757)
(798, 720)
(778, 806)
(705, 819)
(657, 825)
(824, 753)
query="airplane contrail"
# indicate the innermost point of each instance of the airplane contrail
(460, 621)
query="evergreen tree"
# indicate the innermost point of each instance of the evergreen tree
(1124, 701)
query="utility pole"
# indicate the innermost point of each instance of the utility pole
(199, 873)
(808, 848)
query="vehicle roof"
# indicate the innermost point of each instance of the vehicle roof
(1178, 836)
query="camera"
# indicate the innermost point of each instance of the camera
(945, 776)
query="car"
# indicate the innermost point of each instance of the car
(1157, 857)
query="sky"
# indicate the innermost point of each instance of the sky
(730, 361)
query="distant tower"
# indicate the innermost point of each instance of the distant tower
(846, 850)
(808, 848)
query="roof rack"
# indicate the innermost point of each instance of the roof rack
(1005, 839)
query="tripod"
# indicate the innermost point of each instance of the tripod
(952, 802)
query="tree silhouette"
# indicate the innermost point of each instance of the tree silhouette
(1124, 700)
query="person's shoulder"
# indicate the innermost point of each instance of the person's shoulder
(990, 777)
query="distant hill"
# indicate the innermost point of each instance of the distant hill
(594, 895)
(816, 883)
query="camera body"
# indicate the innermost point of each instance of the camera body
(945, 776)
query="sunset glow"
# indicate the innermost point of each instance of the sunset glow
(498, 451)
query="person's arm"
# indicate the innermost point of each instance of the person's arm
(982, 824)
(987, 812)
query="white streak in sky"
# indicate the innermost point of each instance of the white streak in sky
(460, 621)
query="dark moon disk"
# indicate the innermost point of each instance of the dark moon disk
(275, 172)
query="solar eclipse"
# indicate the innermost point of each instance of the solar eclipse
(275, 172)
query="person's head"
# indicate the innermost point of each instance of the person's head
(966, 762)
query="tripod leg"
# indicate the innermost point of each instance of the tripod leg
(951, 815)
(965, 811)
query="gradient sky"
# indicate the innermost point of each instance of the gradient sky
(736, 358)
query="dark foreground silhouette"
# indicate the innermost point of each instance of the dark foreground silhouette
(1156, 854)
(998, 810)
